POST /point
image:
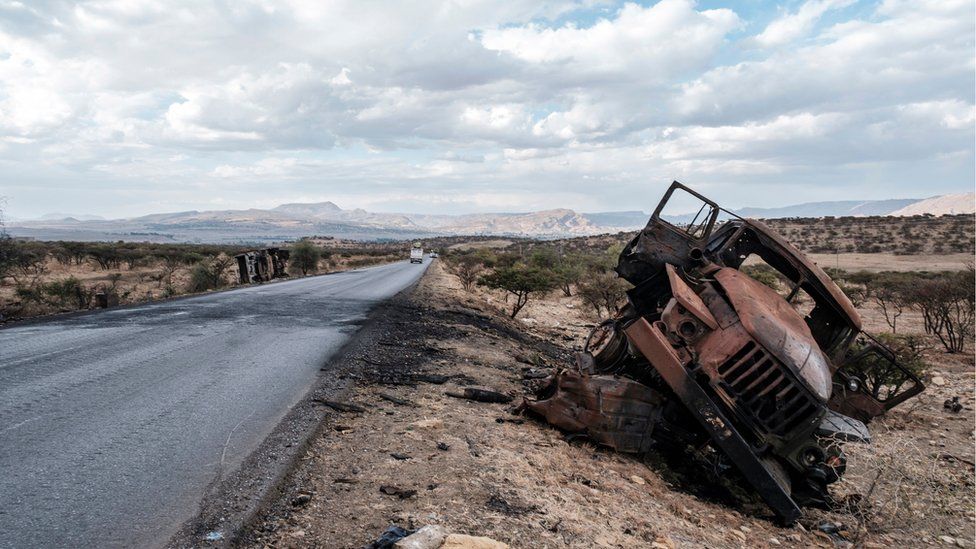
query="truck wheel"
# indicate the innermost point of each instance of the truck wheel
(608, 345)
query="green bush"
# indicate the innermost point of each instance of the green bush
(521, 281)
(877, 373)
(208, 274)
(305, 257)
(68, 292)
(603, 291)
(764, 274)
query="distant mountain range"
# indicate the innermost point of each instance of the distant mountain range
(291, 221)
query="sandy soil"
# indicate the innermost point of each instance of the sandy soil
(893, 262)
(477, 469)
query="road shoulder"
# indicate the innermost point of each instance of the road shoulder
(232, 502)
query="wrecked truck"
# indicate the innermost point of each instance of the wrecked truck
(705, 357)
(259, 266)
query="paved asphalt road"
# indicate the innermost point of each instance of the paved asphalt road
(113, 424)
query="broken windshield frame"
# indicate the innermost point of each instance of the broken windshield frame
(695, 230)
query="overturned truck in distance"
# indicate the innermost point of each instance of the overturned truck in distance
(705, 357)
(262, 265)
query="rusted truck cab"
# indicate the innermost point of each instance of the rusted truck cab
(705, 354)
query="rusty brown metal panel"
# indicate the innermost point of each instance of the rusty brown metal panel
(778, 328)
(614, 411)
(799, 257)
(655, 347)
(689, 299)
(718, 346)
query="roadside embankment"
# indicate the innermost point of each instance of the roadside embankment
(397, 450)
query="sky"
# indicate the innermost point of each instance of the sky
(123, 108)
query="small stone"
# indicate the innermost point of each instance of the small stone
(428, 537)
(428, 424)
(938, 381)
(948, 540)
(638, 479)
(301, 500)
(774, 541)
(745, 529)
(461, 541)
(662, 542)
(738, 534)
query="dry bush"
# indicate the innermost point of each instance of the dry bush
(467, 268)
(948, 307)
(603, 291)
(894, 486)
(209, 274)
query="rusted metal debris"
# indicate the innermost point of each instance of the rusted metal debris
(262, 265)
(703, 355)
(480, 395)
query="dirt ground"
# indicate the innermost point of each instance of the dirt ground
(893, 262)
(412, 455)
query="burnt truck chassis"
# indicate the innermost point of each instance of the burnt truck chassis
(259, 266)
(705, 357)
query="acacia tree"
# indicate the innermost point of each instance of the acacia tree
(947, 306)
(521, 281)
(889, 293)
(305, 257)
(467, 268)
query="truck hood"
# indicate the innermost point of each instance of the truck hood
(779, 328)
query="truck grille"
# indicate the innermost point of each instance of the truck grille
(762, 386)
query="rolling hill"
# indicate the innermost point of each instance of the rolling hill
(296, 220)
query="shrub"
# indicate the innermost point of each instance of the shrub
(467, 268)
(602, 291)
(764, 274)
(305, 257)
(521, 281)
(879, 377)
(107, 256)
(566, 268)
(947, 306)
(891, 293)
(21, 260)
(7, 253)
(68, 292)
(208, 274)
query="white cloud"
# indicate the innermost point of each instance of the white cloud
(667, 38)
(789, 27)
(161, 104)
